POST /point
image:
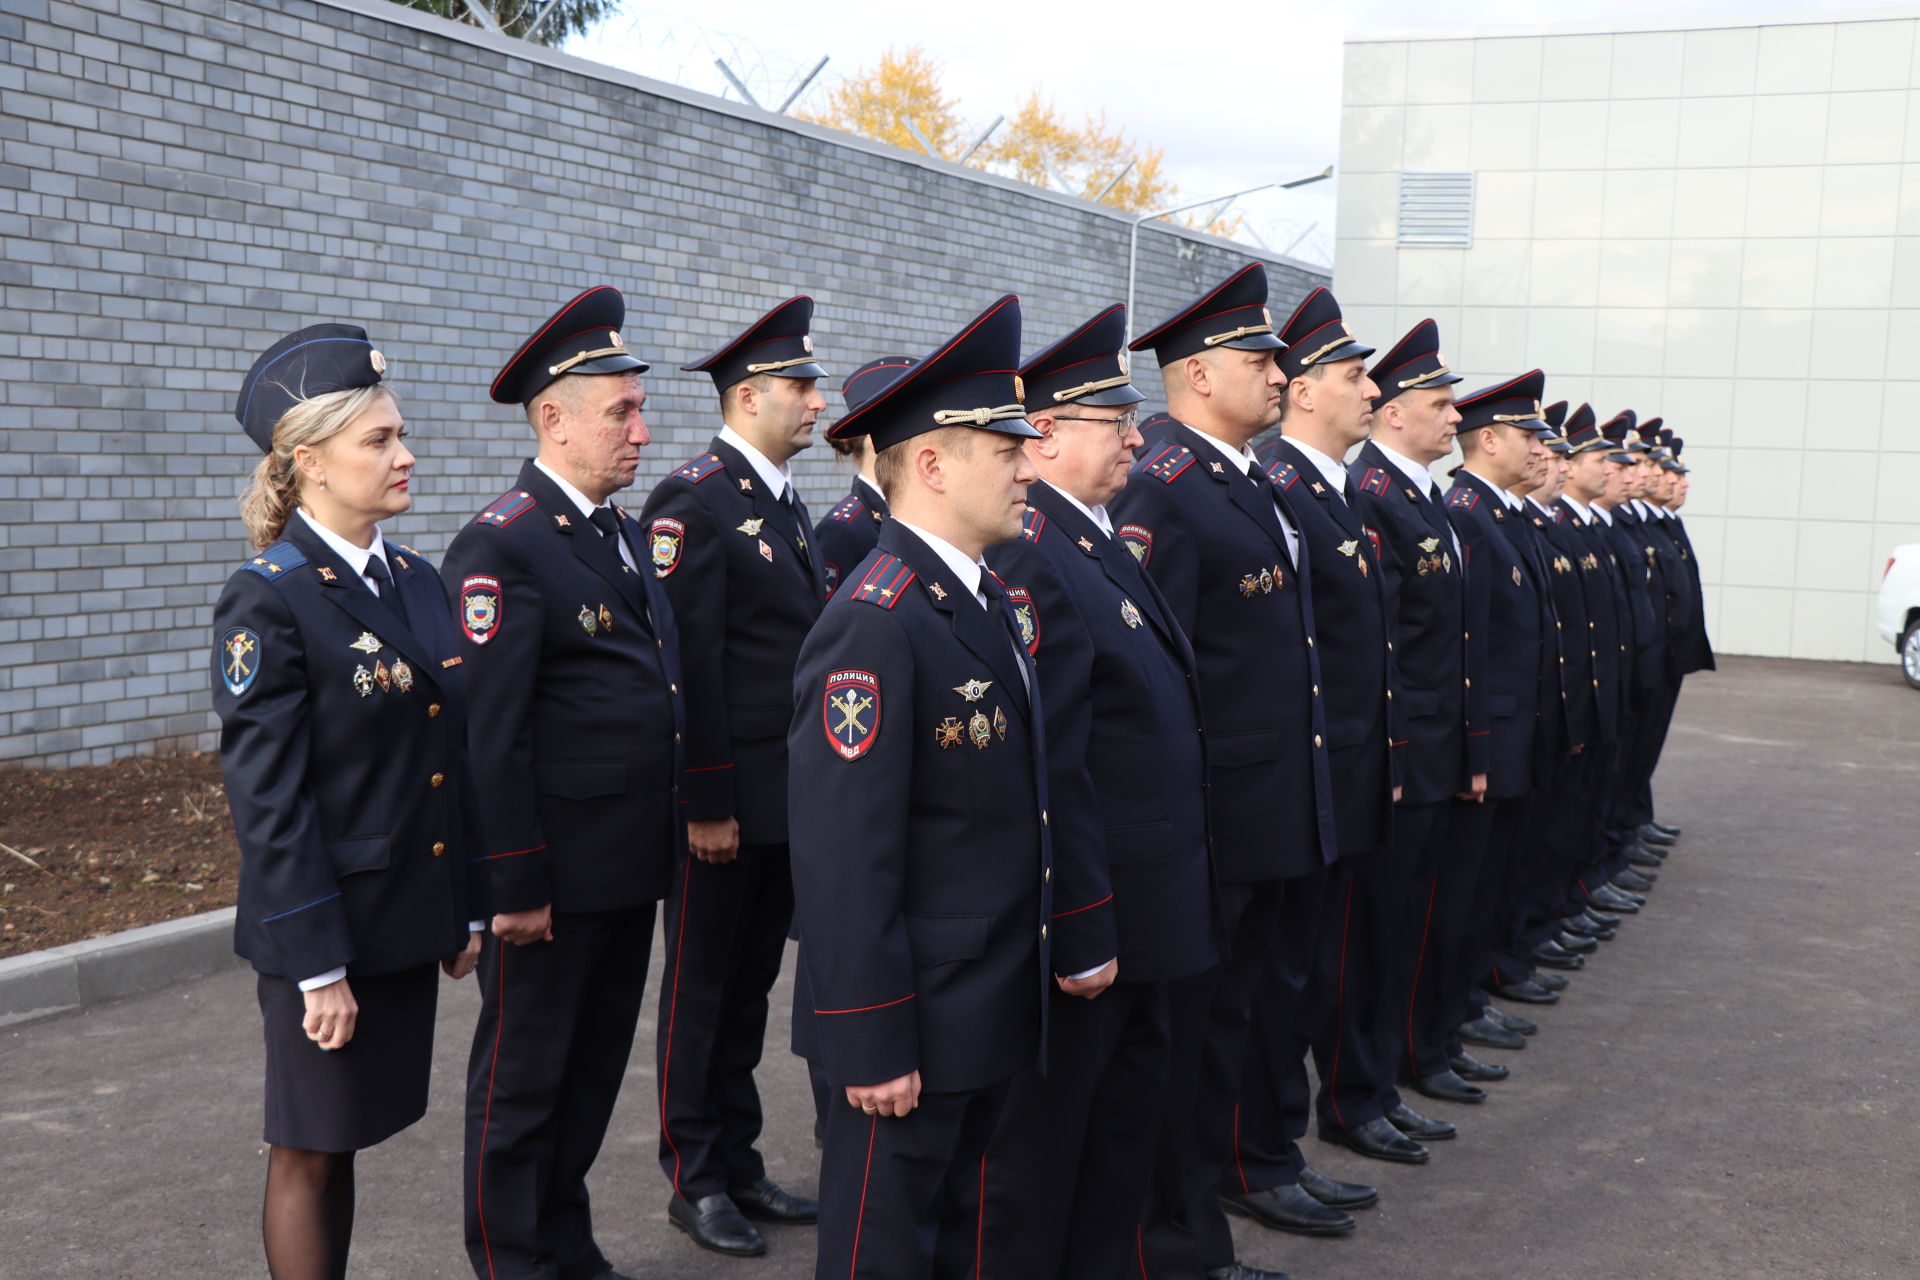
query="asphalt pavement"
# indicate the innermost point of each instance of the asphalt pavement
(1727, 1091)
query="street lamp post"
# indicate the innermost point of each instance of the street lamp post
(1133, 238)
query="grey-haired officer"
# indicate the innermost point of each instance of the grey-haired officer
(342, 741)
(1134, 902)
(731, 546)
(574, 667)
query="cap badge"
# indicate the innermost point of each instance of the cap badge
(1019, 389)
(378, 361)
(613, 339)
(1267, 315)
(806, 343)
(1126, 366)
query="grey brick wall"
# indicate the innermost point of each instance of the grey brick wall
(185, 181)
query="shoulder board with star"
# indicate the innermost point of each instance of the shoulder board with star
(1376, 482)
(276, 561)
(700, 468)
(884, 582)
(1559, 515)
(1168, 462)
(1032, 523)
(505, 509)
(1462, 498)
(847, 510)
(1283, 474)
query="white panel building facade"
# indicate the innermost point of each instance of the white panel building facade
(1718, 225)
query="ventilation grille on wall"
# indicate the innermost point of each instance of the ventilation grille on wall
(1436, 210)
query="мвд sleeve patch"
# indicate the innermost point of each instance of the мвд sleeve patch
(850, 712)
(666, 537)
(238, 659)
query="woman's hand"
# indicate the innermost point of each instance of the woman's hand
(331, 1013)
(460, 963)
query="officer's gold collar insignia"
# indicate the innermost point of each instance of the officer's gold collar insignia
(939, 592)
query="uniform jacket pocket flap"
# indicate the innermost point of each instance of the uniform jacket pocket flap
(580, 779)
(360, 853)
(942, 939)
(1231, 750)
(1138, 842)
(758, 722)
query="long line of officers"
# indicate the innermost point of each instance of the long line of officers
(1106, 771)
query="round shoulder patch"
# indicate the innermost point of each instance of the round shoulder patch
(480, 607)
(850, 712)
(237, 660)
(666, 536)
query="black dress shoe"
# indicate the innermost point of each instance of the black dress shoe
(1600, 917)
(1468, 1067)
(1489, 1034)
(1241, 1271)
(1377, 1139)
(1633, 896)
(1666, 829)
(1608, 898)
(1580, 946)
(1288, 1209)
(1554, 982)
(1335, 1194)
(714, 1222)
(1633, 880)
(1596, 927)
(1652, 833)
(1554, 956)
(1526, 991)
(1643, 860)
(764, 1201)
(1419, 1127)
(1511, 1021)
(1447, 1087)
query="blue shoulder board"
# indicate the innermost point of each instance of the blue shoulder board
(1462, 498)
(846, 510)
(1283, 474)
(1032, 523)
(700, 468)
(1375, 482)
(505, 509)
(1168, 462)
(884, 582)
(276, 560)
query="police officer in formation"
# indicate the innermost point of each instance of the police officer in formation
(1103, 775)
(731, 546)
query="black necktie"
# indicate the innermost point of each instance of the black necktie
(389, 590)
(608, 524)
(788, 500)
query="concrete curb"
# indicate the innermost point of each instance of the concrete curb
(84, 973)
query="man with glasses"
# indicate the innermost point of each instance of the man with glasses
(1133, 898)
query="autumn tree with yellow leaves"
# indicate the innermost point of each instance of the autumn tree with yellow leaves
(1036, 145)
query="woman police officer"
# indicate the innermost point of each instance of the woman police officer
(336, 677)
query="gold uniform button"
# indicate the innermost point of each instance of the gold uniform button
(439, 847)
(1316, 739)
(1309, 642)
(676, 737)
(1389, 695)
(1469, 682)
(1043, 817)
(1048, 877)
(1043, 931)
(433, 709)
(673, 688)
(1316, 691)
(436, 779)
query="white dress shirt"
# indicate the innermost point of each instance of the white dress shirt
(1097, 514)
(1420, 475)
(587, 508)
(1332, 470)
(1248, 462)
(1579, 507)
(779, 480)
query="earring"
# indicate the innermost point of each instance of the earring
(323, 482)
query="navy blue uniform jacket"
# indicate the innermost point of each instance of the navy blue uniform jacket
(1356, 664)
(1126, 753)
(1424, 583)
(343, 745)
(740, 576)
(1573, 630)
(1505, 624)
(1208, 537)
(847, 532)
(1640, 561)
(573, 669)
(1606, 601)
(1694, 651)
(922, 869)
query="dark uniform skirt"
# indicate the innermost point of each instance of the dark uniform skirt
(365, 1092)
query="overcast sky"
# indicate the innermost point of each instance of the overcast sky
(1235, 97)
